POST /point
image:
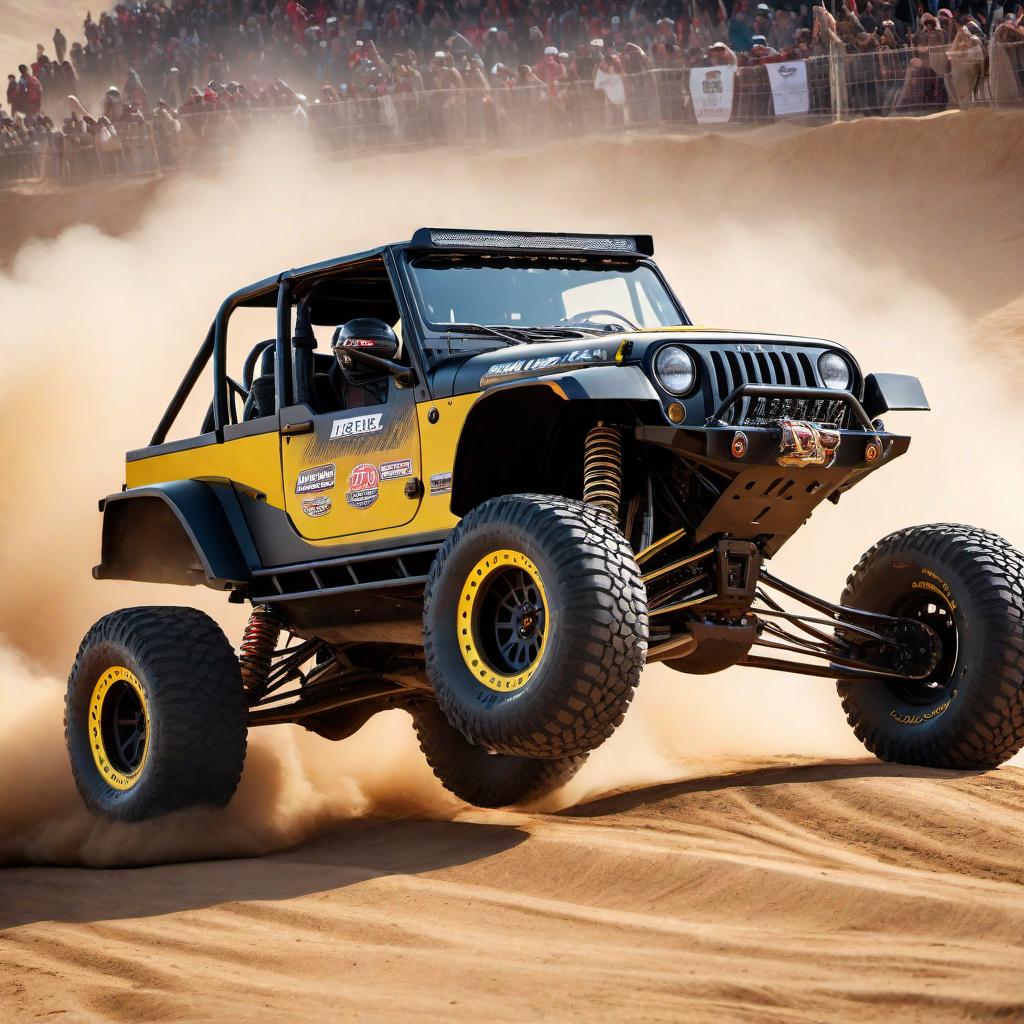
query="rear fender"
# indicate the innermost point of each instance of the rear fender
(185, 532)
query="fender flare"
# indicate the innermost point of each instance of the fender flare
(186, 532)
(532, 404)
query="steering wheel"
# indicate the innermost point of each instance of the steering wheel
(587, 316)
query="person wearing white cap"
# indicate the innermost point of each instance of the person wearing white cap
(762, 20)
(720, 55)
(549, 69)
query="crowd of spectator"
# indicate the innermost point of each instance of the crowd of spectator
(153, 79)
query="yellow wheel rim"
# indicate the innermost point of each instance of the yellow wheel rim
(503, 620)
(119, 727)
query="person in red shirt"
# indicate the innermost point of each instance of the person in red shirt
(30, 90)
(549, 69)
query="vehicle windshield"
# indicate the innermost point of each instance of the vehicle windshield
(541, 292)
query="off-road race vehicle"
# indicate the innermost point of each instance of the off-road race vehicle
(518, 475)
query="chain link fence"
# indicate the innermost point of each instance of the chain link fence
(884, 82)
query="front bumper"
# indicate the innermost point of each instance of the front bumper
(856, 451)
(776, 473)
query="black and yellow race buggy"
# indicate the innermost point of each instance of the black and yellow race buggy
(517, 475)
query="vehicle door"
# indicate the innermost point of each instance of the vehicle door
(352, 471)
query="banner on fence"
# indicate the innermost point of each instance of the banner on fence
(711, 91)
(789, 88)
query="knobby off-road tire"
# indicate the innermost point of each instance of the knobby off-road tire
(558, 683)
(173, 672)
(969, 586)
(482, 778)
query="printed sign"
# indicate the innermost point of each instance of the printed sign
(352, 425)
(395, 470)
(711, 91)
(319, 478)
(441, 483)
(789, 88)
(362, 486)
(317, 507)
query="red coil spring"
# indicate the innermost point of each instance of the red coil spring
(258, 645)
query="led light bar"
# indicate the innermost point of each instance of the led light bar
(453, 238)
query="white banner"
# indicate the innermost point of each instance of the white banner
(789, 88)
(711, 92)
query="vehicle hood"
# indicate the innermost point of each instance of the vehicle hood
(521, 362)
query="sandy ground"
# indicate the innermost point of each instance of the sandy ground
(751, 864)
(780, 893)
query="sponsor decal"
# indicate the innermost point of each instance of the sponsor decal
(319, 478)
(441, 483)
(395, 470)
(352, 425)
(765, 411)
(541, 363)
(903, 719)
(362, 486)
(944, 592)
(318, 506)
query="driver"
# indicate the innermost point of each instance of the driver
(364, 385)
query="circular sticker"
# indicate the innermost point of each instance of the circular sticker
(362, 486)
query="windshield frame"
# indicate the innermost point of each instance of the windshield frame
(437, 338)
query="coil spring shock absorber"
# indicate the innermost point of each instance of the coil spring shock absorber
(258, 645)
(602, 469)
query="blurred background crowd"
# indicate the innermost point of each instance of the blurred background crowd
(148, 85)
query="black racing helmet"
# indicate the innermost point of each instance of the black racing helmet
(367, 334)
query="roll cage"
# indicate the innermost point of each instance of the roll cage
(283, 291)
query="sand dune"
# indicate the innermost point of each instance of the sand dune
(747, 866)
(776, 893)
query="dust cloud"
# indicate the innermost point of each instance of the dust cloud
(24, 23)
(821, 232)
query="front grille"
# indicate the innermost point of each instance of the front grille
(730, 368)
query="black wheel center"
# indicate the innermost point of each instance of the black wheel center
(527, 617)
(510, 627)
(123, 723)
(941, 622)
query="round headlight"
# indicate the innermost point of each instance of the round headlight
(835, 371)
(675, 369)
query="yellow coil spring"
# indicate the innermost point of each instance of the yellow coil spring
(602, 469)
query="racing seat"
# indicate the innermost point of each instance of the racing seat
(262, 388)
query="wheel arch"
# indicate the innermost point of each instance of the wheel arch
(184, 532)
(550, 417)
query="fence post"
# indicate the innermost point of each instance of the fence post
(837, 78)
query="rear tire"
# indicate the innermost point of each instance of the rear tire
(155, 718)
(968, 585)
(481, 778)
(535, 626)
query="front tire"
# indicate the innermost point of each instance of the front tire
(535, 626)
(482, 778)
(968, 586)
(155, 716)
